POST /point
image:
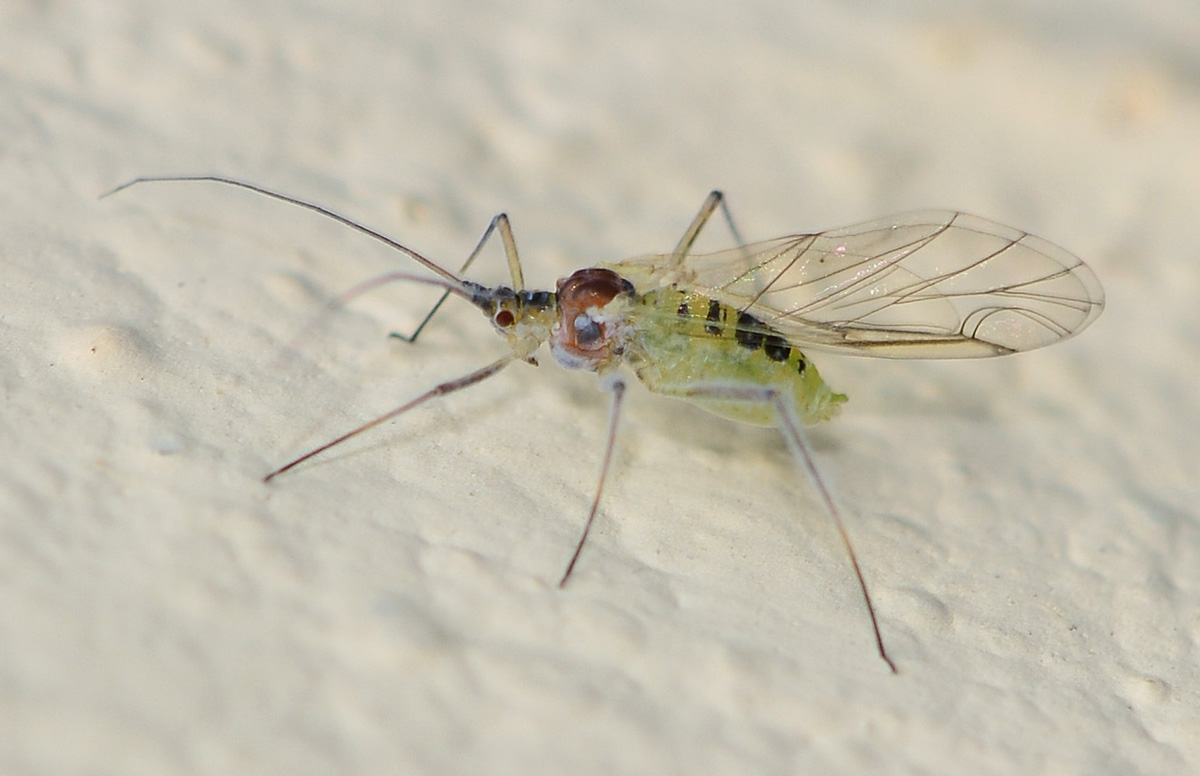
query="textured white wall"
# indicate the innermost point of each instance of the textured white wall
(1029, 525)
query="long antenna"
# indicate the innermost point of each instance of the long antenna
(341, 219)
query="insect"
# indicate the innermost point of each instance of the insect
(730, 331)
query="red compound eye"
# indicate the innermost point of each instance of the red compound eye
(504, 319)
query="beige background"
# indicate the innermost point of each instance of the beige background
(1029, 525)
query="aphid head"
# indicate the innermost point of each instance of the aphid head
(508, 309)
(524, 318)
(589, 333)
(502, 308)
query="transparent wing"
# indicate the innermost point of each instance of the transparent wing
(930, 284)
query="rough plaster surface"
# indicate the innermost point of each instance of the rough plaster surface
(1028, 525)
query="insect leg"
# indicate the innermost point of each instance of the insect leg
(714, 200)
(618, 389)
(499, 223)
(789, 425)
(792, 431)
(450, 386)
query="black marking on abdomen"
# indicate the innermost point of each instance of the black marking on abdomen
(683, 311)
(749, 332)
(713, 326)
(777, 348)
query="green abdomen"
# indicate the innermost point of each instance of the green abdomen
(681, 341)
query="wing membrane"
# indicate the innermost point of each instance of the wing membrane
(931, 284)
